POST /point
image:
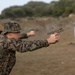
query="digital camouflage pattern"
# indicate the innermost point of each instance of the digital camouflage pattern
(8, 48)
(11, 27)
(23, 36)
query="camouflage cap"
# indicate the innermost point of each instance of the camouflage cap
(11, 27)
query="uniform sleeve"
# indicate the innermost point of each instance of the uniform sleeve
(23, 36)
(24, 46)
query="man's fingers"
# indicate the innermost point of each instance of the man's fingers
(57, 38)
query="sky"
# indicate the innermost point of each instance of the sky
(7, 3)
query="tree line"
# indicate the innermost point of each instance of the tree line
(40, 9)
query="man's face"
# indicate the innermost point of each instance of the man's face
(15, 35)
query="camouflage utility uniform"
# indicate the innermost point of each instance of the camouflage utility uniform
(8, 47)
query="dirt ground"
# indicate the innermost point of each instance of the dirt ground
(47, 61)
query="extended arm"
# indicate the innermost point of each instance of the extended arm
(24, 46)
(26, 35)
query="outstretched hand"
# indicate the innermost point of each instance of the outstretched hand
(31, 33)
(53, 38)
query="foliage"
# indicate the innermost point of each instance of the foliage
(39, 9)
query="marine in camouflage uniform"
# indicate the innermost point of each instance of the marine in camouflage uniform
(8, 47)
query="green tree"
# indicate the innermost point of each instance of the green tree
(18, 12)
(28, 11)
(7, 13)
